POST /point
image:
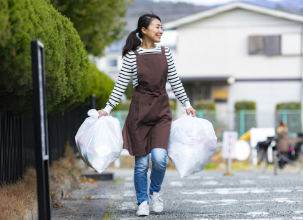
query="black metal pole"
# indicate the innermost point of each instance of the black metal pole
(275, 162)
(93, 101)
(41, 130)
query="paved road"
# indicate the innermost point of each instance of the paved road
(210, 195)
(89, 202)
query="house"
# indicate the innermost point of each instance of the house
(241, 52)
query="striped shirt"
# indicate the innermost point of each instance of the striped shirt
(129, 69)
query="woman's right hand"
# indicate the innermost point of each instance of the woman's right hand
(102, 113)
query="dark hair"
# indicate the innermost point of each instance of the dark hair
(132, 41)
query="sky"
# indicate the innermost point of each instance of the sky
(211, 2)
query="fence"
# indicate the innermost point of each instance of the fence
(17, 133)
(240, 121)
(17, 150)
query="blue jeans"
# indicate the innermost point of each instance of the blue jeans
(158, 157)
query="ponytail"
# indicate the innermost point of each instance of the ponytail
(132, 41)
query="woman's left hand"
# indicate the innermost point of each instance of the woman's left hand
(191, 111)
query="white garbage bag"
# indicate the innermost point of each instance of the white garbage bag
(192, 143)
(99, 140)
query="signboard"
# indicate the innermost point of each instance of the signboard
(229, 141)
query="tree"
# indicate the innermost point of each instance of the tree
(98, 22)
(65, 58)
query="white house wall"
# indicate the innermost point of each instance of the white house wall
(266, 95)
(112, 72)
(218, 46)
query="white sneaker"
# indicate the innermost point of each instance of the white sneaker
(143, 209)
(156, 201)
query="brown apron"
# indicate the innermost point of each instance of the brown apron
(148, 123)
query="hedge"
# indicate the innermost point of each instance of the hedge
(288, 106)
(208, 105)
(245, 105)
(129, 92)
(172, 104)
(66, 60)
(249, 118)
(125, 105)
(99, 84)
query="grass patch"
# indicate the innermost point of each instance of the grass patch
(211, 166)
(20, 198)
(240, 166)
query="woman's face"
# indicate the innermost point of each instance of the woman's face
(154, 31)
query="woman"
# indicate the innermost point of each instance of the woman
(147, 126)
(283, 143)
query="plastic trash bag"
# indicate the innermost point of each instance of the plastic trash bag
(192, 143)
(99, 140)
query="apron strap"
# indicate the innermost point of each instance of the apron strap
(136, 52)
(162, 51)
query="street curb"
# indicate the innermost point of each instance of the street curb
(97, 176)
(31, 215)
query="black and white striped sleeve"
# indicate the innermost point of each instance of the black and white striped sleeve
(175, 81)
(124, 76)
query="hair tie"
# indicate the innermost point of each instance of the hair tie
(137, 30)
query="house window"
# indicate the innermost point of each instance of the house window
(113, 62)
(272, 45)
(197, 92)
(268, 45)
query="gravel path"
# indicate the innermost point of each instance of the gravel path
(210, 195)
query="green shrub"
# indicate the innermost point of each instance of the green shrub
(4, 15)
(208, 105)
(288, 106)
(125, 105)
(245, 105)
(65, 58)
(172, 104)
(99, 84)
(247, 118)
(129, 92)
